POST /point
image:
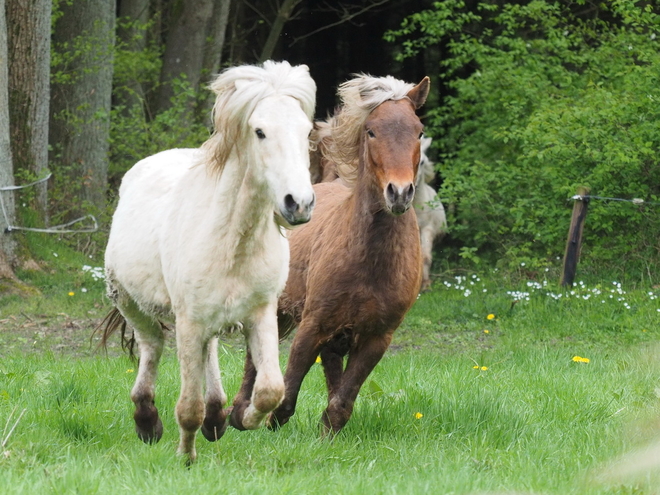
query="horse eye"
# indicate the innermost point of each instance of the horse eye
(370, 133)
(260, 134)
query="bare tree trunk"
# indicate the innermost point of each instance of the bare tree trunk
(28, 37)
(132, 35)
(216, 34)
(184, 49)
(6, 169)
(283, 14)
(217, 29)
(81, 101)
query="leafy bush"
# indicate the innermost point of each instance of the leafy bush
(138, 131)
(546, 96)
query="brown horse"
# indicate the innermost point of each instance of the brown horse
(355, 268)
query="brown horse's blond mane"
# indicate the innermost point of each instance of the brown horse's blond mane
(359, 97)
(236, 100)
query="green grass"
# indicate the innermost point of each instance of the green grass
(450, 409)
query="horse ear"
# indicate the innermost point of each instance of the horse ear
(419, 93)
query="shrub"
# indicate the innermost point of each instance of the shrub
(543, 97)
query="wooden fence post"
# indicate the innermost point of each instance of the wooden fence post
(574, 242)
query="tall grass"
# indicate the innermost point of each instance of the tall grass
(461, 404)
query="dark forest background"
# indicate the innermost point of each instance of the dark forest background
(529, 100)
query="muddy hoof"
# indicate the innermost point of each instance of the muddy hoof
(236, 417)
(150, 434)
(214, 427)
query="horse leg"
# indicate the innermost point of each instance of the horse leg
(332, 360)
(362, 359)
(192, 351)
(214, 424)
(242, 398)
(150, 339)
(268, 389)
(426, 242)
(304, 350)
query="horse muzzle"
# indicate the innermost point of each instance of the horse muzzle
(399, 198)
(297, 212)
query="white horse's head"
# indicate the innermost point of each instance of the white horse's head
(273, 106)
(280, 142)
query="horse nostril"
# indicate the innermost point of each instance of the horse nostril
(409, 193)
(290, 203)
(391, 192)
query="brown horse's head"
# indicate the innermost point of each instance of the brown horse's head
(392, 147)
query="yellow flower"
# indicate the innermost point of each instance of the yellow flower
(475, 367)
(486, 331)
(72, 293)
(484, 368)
(491, 316)
(129, 370)
(578, 359)
(419, 415)
(318, 359)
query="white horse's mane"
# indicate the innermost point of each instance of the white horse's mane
(236, 100)
(359, 97)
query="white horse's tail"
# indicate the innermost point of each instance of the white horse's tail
(114, 321)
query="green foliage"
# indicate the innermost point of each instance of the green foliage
(136, 130)
(543, 97)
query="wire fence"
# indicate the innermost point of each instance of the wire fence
(55, 229)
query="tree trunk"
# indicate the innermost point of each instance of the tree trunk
(216, 35)
(283, 14)
(81, 102)
(132, 36)
(217, 29)
(184, 48)
(6, 169)
(28, 37)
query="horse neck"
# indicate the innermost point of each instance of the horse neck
(244, 210)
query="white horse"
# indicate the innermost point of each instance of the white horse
(431, 216)
(196, 241)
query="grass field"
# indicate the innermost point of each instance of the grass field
(493, 385)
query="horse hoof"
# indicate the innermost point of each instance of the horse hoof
(234, 421)
(150, 435)
(214, 428)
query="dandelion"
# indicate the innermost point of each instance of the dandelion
(72, 293)
(491, 316)
(130, 370)
(484, 368)
(475, 367)
(486, 331)
(418, 415)
(578, 359)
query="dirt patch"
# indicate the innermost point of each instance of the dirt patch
(63, 334)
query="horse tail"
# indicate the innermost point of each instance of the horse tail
(114, 321)
(286, 323)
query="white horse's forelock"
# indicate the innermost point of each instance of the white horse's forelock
(236, 100)
(359, 97)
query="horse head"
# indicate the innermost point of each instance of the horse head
(391, 147)
(280, 139)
